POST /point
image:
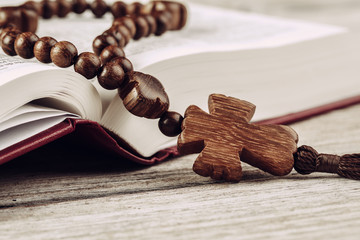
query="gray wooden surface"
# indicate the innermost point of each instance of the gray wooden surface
(71, 195)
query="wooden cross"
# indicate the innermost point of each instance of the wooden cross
(225, 136)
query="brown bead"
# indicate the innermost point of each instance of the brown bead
(170, 124)
(134, 8)
(24, 44)
(64, 8)
(79, 6)
(5, 30)
(23, 19)
(111, 52)
(142, 27)
(49, 8)
(162, 22)
(143, 95)
(63, 54)
(33, 5)
(111, 76)
(7, 42)
(99, 8)
(42, 49)
(10, 15)
(178, 13)
(113, 31)
(151, 23)
(118, 9)
(29, 20)
(87, 64)
(124, 63)
(127, 22)
(102, 41)
(125, 32)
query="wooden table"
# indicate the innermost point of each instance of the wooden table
(51, 194)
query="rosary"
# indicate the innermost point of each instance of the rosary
(223, 137)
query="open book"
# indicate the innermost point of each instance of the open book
(282, 66)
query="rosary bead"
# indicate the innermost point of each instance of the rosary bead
(87, 64)
(101, 42)
(33, 5)
(111, 76)
(24, 44)
(152, 24)
(10, 15)
(127, 22)
(99, 8)
(134, 8)
(142, 27)
(50, 8)
(6, 29)
(170, 124)
(113, 31)
(63, 54)
(79, 6)
(42, 49)
(64, 8)
(124, 63)
(118, 9)
(125, 32)
(29, 20)
(162, 22)
(178, 12)
(143, 95)
(7, 42)
(111, 52)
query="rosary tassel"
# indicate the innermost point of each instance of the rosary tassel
(308, 160)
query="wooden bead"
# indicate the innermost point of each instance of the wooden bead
(50, 8)
(113, 31)
(101, 42)
(42, 49)
(125, 32)
(124, 63)
(134, 8)
(63, 54)
(7, 42)
(79, 6)
(178, 13)
(64, 8)
(99, 8)
(111, 76)
(170, 124)
(10, 15)
(29, 20)
(162, 22)
(127, 22)
(142, 27)
(24, 44)
(35, 6)
(25, 20)
(143, 95)
(118, 9)
(87, 64)
(111, 52)
(151, 23)
(6, 29)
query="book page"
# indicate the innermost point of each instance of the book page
(212, 29)
(28, 120)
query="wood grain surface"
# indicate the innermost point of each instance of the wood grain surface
(51, 194)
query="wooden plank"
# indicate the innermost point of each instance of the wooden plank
(170, 201)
